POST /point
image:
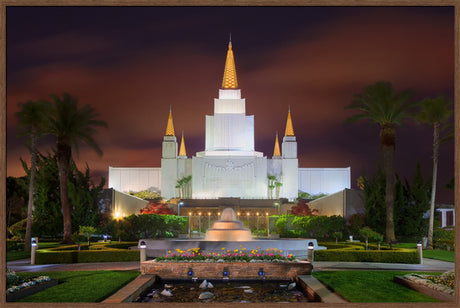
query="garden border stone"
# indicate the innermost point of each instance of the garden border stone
(439, 295)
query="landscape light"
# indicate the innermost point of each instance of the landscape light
(225, 273)
(33, 243)
(190, 272)
(142, 245)
(261, 272)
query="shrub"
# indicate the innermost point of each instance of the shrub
(18, 230)
(14, 245)
(444, 238)
(85, 256)
(369, 234)
(355, 222)
(284, 226)
(384, 256)
(135, 227)
(321, 227)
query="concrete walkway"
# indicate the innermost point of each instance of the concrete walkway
(429, 265)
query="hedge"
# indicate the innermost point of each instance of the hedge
(408, 256)
(85, 256)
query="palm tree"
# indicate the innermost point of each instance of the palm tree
(31, 121)
(434, 112)
(71, 126)
(278, 187)
(271, 184)
(379, 104)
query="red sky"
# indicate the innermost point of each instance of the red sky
(131, 64)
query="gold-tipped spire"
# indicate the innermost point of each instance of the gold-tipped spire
(276, 151)
(182, 151)
(170, 126)
(230, 81)
(289, 127)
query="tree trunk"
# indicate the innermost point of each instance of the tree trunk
(387, 140)
(64, 153)
(429, 244)
(30, 205)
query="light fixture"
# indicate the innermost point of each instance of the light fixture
(261, 272)
(189, 213)
(190, 272)
(199, 213)
(33, 242)
(142, 245)
(225, 273)
(209, 213)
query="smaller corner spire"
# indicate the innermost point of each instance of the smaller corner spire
(170, 126)
(182, 151)
(289, 128)
(276, 150)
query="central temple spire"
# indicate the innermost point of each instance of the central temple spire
(230, 81)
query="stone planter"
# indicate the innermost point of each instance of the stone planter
(236, 270)
(15, 296)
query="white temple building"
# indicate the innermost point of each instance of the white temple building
(229, 166)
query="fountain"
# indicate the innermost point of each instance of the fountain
(228, 228)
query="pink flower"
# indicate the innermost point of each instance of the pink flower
(281, 255)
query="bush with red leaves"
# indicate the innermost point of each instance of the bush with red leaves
(302, 209)
(157, 208)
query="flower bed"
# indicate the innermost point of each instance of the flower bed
(226, 255)
(18, 288)
(440, 287)
(238, 263)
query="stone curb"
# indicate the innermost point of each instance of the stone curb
(132, 290)
(439, 295)
(313, 284)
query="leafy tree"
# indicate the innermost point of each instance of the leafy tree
(32, 118)
(302, 209)
(417, 202)
(16, 196)
(83, 194)
(369, 234)
(434, 112)
(374, 201)
(71, 125)
(87, 231)
(379, 104)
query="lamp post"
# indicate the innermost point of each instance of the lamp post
(257, 222)
(420, 251)
(247, 218)
(33, 245)
(199, 223)
(142, 247)
(310, 252)
(209, 220)
(189, 223)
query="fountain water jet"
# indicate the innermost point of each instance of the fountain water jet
(228, 228)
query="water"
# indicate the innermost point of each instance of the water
(229, 291)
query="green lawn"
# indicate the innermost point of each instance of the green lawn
(442, 255)
(81, 286)
(370, 286)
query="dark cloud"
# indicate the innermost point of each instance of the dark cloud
(131, 64)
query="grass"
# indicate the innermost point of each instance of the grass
(80, 286)
(442, 255)
(371, 286)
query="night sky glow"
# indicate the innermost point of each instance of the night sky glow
(132, 63)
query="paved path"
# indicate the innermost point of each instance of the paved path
(429, 265)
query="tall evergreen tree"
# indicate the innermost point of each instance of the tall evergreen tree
(381, 105)
(32, 118)
(72, 126)
(434, 112)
